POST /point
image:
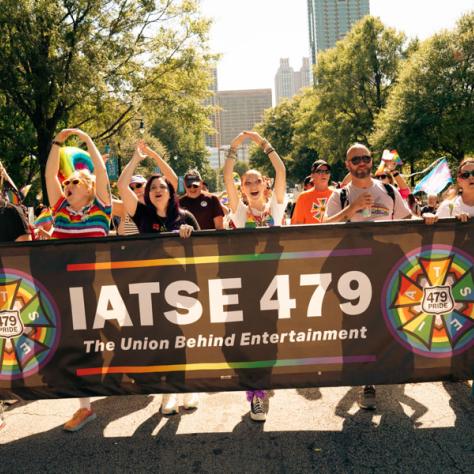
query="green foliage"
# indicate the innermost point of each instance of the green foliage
(432, 107)
(99, 65)
(353, 81)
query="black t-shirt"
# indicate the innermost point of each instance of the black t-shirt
(204, 208)
(428, 210)
(13, 223)
(148, 221)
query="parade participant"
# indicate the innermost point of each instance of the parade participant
(365, 199)
(14, 227)
(82, 208)
(307, 183)
(311, 205)
(160, 212)
(431, 205)
(137, 185)
(258, 213)
(462, 206)
(205, 207)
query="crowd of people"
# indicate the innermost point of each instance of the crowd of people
(82, 206)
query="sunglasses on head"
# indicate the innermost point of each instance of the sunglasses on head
(357, 160)
(137, 185)
(67, 182)
(381, 176)
(466, 174)
(323, 171)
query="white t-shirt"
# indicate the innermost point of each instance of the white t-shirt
(451, 208)
(272, 215)
(384, 208)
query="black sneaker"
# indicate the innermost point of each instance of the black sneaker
(257, 409)
(367, 399)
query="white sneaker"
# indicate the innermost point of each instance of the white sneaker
(169, 404)
(190, 401)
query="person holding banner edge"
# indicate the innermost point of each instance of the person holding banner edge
(462, 206)
(365, 199)
(81, 208)
(258, 213)
(160, 212)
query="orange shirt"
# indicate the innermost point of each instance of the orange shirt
(310, 206)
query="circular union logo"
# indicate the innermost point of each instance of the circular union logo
(29, 325)
(429, 306)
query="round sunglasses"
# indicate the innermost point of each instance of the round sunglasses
(137, 185)
(67, 182)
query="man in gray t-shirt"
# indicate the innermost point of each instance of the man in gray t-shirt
(365, 199)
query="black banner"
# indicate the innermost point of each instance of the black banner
(325, 305)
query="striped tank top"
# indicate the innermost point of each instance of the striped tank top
(92, 220)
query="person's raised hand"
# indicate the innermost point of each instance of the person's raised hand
(255, 137)
(139, 154)
(238, 140)
(64, 134)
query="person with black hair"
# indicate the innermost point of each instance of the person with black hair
(160, 212)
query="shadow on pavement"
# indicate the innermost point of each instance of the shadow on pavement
(386, 440)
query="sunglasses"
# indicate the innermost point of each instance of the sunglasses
(381, 176)
(192, 184)
(137, 185)
(466, 174)
(357, 160)
(67, 182)
(321, 172)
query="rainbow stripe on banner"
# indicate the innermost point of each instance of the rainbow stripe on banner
(259, 364)
(11, 194)
(436, 180)
(166, 262)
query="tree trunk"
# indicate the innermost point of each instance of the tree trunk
(44, 143)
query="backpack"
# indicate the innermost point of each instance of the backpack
(388, 187)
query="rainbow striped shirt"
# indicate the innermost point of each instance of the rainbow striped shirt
(92, 220)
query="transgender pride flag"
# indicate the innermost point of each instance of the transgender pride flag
(436, 180)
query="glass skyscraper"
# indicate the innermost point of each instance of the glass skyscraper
(330, 20)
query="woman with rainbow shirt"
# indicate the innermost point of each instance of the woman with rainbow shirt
(81, 208)
(259, 212)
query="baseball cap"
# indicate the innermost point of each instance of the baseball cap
(318, 163)
(137, 178)
(191, 177)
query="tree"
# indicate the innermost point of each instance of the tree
(87, 63)
(353, 81)
(431, 109)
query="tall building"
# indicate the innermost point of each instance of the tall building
(330, 20)
(240, 110)
(288, 82)
(236, 111)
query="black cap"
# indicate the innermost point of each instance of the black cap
(319, 163)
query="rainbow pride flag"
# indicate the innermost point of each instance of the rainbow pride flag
(45, 217)
(392, 156)
(11, 193)
(71, 159)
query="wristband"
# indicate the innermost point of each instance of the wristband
(55, 142)
(269, 150)
(232, 154)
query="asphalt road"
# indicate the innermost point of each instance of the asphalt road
(416, 428)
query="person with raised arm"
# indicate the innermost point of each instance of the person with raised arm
(80, 208)
(159, 211)
(259, 212)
